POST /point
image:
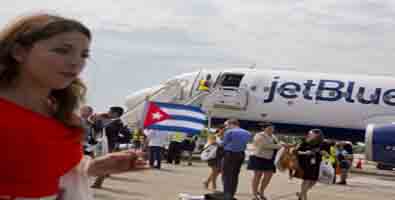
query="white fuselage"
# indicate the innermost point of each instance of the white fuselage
(330, 100)
(289, 97)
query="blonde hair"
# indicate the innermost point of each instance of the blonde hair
(211, 139)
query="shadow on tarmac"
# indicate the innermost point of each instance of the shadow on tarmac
(121, 192)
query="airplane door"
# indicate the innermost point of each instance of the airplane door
(228, 94)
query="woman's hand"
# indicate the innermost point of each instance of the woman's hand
(117, 162)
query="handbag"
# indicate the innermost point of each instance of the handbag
(327, 173)
(278, 158)
(209, 153)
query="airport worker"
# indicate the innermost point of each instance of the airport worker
(329, 154)
(175, 147)
(138, 138)
(205, 84)
(41, 59)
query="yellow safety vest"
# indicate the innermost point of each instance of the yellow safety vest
(333, 155)
(136, 135)
(177, 137)
(202, 85)
(204, 133)
(331, 158)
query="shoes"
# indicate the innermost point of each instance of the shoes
(298, 195)
(261, 196)
(96, 186)
(342, 183)
(255, 197)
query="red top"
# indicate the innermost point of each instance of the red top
(35, 152)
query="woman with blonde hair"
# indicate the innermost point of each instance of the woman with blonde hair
(214, 163)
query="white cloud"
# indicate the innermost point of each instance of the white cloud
(325, 35)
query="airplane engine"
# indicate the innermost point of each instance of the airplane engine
(380, 143)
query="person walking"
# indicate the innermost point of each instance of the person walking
(309, 156)
(261, 162)
(214, 163)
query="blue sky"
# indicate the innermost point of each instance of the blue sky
(138, 44)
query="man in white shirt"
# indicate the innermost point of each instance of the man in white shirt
(156, 141)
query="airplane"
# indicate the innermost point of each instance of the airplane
(343, 106)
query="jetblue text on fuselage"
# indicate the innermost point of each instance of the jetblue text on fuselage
(330, 90)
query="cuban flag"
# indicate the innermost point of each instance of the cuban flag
(174, 117)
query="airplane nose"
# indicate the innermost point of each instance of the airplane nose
(136, 98)
(134, 107)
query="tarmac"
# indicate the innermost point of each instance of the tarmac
(171, 180)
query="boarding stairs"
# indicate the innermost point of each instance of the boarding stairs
(174, 91)
(231, 100)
